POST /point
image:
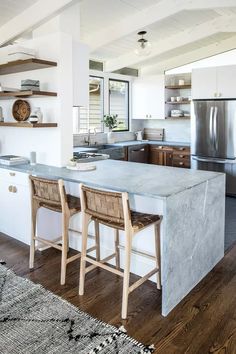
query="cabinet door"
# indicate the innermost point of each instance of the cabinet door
(138, 153)
(160, 155)
(226, 76)
(156, 97)
(139, 99)
(15, 219)
(148, 98)
(156, 156)
(204, 83)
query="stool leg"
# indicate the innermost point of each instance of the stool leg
(158, 253)
(97, 240)
(65, 227)
(117, 250)
(85, 222)
(33, 234)
(128, 244)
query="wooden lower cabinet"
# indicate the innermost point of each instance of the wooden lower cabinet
(170, 156)
(160, 155)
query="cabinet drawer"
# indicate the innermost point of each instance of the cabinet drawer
(181, 163)
(180, 149)
(14, 177)
(161, 148)
(181, 156)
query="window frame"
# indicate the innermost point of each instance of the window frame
(128, 101)
(103, 98)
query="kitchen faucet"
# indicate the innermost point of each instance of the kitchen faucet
(88, 140)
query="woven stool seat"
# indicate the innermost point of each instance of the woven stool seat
(73, 205)
(138, 221)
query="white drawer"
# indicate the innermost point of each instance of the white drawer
(14, 177)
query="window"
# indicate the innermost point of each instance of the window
(106, 96)
(91, 118)
(119, 102)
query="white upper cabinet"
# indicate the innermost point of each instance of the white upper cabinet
(214, 83)
(226, 77)
(148, 98)
(204, 83)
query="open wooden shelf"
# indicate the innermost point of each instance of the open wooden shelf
(178, 87)
(181, 102)
(23, 94)
(25, 65)
(28, 125)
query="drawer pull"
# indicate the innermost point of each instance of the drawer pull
(14, 189)
(181, 156)
(138, 150)
(12, 174)
(181, 163)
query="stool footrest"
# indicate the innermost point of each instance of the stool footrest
(73, 258)
(101, 264)
(142, 280)
(49, 243)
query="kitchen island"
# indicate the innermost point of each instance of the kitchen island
(193, 207)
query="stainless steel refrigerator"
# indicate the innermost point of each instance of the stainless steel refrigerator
(213, 138)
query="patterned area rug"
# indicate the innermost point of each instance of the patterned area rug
(33, 320)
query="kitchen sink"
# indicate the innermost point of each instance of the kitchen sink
(115, 152)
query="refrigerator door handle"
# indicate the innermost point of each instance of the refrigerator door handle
(211, 125)
(214, 160)
(215, 128)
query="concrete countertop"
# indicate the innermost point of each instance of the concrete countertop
(135, 178)
(156, 142)
(136, 142)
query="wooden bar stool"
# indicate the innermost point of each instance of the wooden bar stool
(112, 209)
(50, 194)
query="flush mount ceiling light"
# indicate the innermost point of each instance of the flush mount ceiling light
(144, 46)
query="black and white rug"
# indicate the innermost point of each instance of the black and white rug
(33, 320)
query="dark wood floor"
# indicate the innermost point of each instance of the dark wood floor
(204, 322)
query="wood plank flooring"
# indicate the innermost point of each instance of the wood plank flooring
(204, 322)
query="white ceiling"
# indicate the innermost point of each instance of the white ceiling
(98, 15)
(11, 8)
(156, 32)
(175, 28)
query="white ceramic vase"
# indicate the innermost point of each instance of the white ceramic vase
(111, 137)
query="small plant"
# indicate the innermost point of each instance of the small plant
(110, 121)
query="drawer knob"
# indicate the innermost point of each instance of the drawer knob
(10, 188)
(14, 189)
(181, 163)
(181, 156)
(12, 174)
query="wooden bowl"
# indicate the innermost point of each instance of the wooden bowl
(21, 110)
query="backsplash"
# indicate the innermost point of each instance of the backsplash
(174, 129)
(101, 138)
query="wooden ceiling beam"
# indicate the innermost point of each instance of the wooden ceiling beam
(31, 18)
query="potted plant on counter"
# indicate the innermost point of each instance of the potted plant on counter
(110, 121)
